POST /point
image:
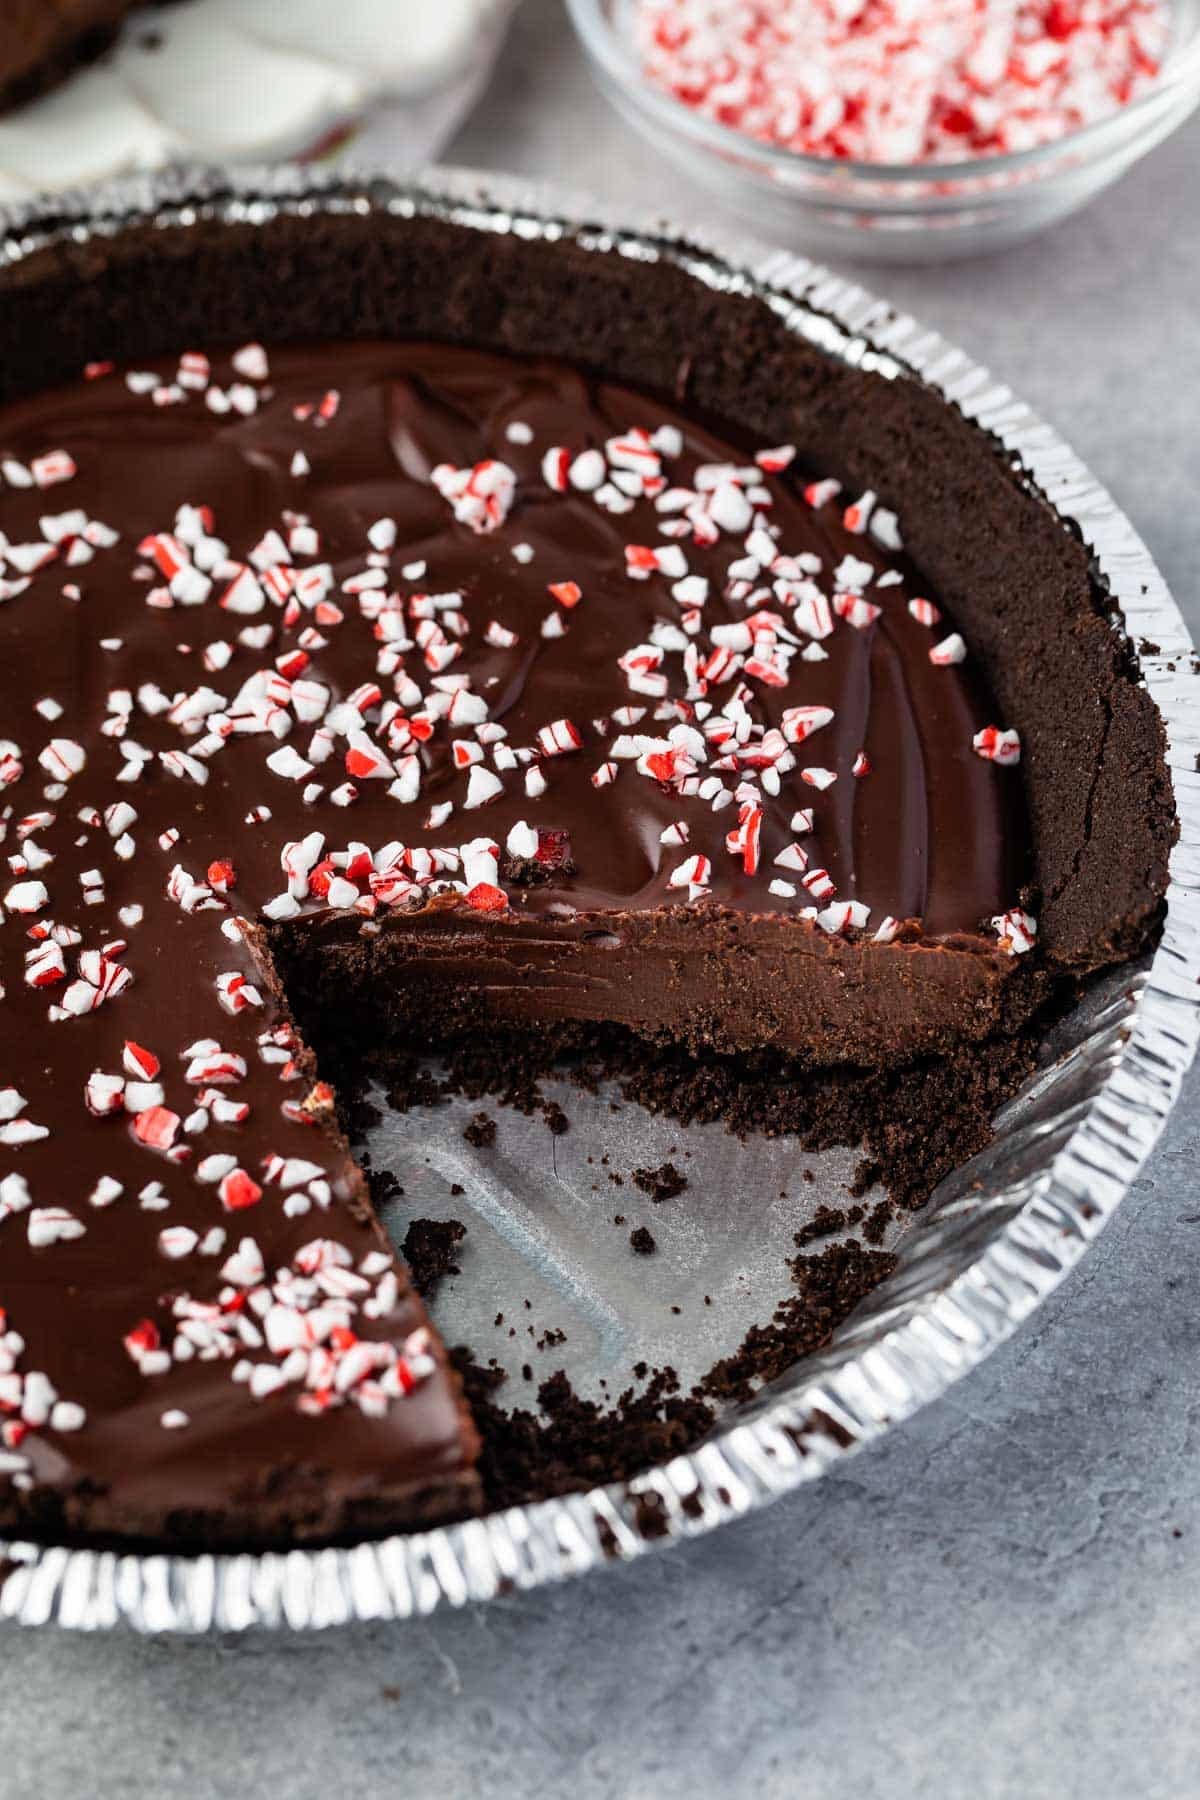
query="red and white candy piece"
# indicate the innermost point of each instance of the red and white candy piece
(1016, 930)
(855, 610)
(238, 1191)
(559, 738)
(53, 1225)
(481, 496)
(799, 722)
(950, 650)
(997, 745)
(695, 873)
(63, 759)
(846, 915)
(819, 883)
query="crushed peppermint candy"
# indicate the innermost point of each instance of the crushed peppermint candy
(881, 82)
(353, 715)
(29, 1403)
(299, 1329)
(694, 724)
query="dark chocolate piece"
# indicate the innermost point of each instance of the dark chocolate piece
(42, 42)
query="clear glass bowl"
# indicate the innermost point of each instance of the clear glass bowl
(892, 212)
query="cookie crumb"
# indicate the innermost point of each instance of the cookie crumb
(663, 1183)
(428, 1249)
(481, 1131)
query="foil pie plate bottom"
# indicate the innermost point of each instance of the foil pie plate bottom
(998, 1236)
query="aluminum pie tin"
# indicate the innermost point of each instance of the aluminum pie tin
(999, 1235)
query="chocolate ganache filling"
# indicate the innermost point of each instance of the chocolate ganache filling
(518, 680)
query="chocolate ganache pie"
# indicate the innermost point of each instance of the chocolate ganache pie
(438, 635)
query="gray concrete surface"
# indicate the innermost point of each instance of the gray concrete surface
(1000, 1601)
